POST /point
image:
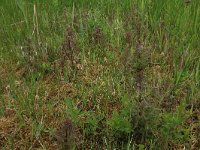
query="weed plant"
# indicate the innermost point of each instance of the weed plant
(105, 74)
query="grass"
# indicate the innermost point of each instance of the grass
(99, 75)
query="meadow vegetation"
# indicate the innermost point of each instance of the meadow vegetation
(106, 74)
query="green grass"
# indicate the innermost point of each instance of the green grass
(105, 74)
